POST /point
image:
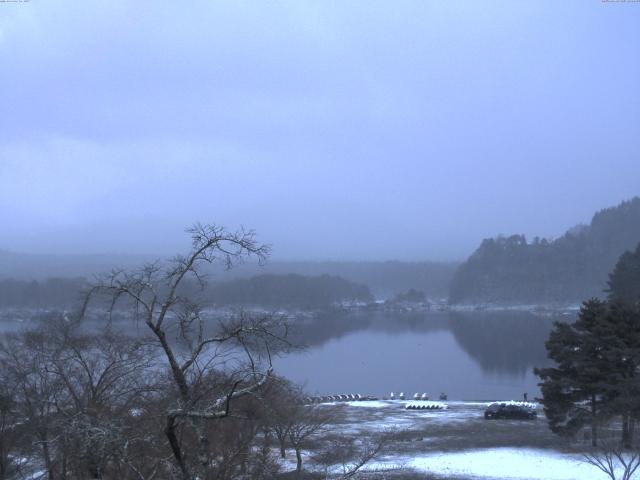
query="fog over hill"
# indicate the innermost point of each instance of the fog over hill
(510, 269)
(385, 278)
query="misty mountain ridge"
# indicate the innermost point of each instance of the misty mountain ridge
(385, 278)
(503, 270)
(571, 268)
(290, 290)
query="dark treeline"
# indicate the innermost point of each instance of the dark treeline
(570, 268)
(385, 279)
(288, 291)
(410, 296)
(272, 291)
(51, 293)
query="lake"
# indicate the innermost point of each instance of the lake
(479, 355)
(469, 356)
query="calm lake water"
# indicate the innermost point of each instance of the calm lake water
(469, 356)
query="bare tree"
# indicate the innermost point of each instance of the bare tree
(8, 434)
(612, 458)
(154, 294)
(366, 450)
(106, 375)
(25, 360)
(307, 422)
(344, 456)
(74, 393)
(283, 404)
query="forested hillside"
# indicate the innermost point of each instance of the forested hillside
(271, 291)
(288, 291)
(568, 269)
(385, 278)
(50, 293)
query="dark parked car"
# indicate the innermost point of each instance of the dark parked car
(510, 411)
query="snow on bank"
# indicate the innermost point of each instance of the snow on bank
(531, 405)
(368, 403)
(499, 463)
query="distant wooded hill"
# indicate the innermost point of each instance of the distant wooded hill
(571, 268)
(269, 291)
(385, 279)
(50, 293)
(288, 291)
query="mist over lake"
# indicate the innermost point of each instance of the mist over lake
(320, 240)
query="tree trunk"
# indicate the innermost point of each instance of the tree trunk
(626, 441)
(203, 444)
(266, 437)
(95, 472)
(170, 432)
(283, 453)
(178, 375)
(47, 455)
(4, 461)
(594, 422)
(63, 466)
(299, 462)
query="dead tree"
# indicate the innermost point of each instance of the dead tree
(155, 295)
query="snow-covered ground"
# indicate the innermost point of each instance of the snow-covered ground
(458, 442)
(498, 463)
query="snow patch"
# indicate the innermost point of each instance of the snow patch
(368, 403)
(530, 405)
(503, 463)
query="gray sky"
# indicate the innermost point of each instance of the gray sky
(338, 130)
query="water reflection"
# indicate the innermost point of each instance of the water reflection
(503, 342)
(470, 355)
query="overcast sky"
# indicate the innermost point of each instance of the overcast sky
(336, 129)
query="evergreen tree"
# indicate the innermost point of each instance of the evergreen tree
(573, 389)
(624, 281)
(597, 372)
(621, 332)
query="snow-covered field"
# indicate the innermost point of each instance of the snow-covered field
(498, 463)
(459, 443)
